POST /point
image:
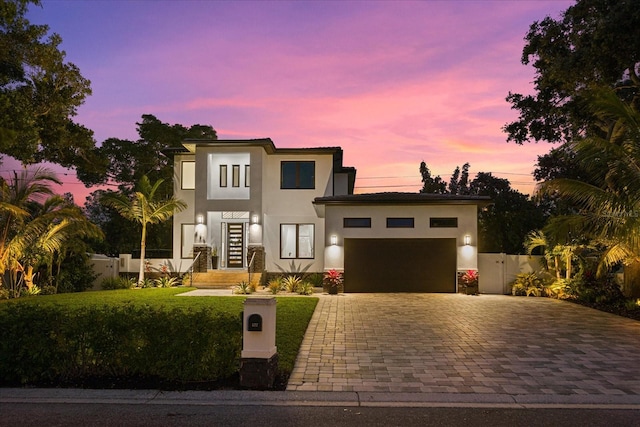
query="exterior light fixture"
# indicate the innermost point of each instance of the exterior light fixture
(200, 219)
(254, 219)
(467, 240)
(334, 240)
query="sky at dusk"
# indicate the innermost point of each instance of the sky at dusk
(393, 83)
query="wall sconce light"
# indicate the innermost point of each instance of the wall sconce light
(467, 240)
(254, 219)
(334, 240)
(200, 219)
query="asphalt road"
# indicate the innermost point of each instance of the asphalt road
(94, 414)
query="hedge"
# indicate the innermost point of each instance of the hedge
(58, 344)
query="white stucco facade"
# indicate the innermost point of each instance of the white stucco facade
(290, 206)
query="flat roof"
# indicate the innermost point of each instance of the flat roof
(402, 198)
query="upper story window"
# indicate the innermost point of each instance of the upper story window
(443, 222)
(298, 175)
(400, 223)
(188, 178)
(356, 222)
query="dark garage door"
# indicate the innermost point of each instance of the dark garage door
(400, 265)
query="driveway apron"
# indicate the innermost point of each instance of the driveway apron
(454, 343)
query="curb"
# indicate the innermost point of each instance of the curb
(301, 398)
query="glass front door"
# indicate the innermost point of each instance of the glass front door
(235, 245)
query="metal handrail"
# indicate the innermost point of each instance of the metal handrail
(253, 255)
(190, 269)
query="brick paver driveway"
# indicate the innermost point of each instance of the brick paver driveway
(448, 343)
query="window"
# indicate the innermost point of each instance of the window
(356, 222)
(443, 222)
(399, 222)
(247, 175)
(188, 178)
(223, 175)
(187, 237)
(296, 240)
(235, 180)
(298, 175)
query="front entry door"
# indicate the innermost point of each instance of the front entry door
(235, 245)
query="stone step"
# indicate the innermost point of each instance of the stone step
(222, 279)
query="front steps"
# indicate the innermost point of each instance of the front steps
(223, 279)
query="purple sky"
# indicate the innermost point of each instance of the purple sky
(393, 83)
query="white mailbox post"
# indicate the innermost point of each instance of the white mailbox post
(259, 357)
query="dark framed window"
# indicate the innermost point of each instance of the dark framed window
(356, 222)
(223, 175)
(235, 174)
(443, 222)
(247, 175)
(297, 241)
(400, 222)
(298, 175)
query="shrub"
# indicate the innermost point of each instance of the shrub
(243, 288)
(291, 283)
(275, 285)
(315, 279)
(592, 289)
(51, 344)
(165, 282)
(76, 274)
(48, 290)
(4, 294)
(111, 283)
(305, 288)
(332, 281)
(528, 284)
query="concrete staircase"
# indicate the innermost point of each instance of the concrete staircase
(223, 279)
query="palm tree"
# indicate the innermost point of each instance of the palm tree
(145, 208)
(34, 224)
(609, 204)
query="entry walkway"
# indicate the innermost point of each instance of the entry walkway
(453, 343)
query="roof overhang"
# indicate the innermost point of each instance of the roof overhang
(397, 199)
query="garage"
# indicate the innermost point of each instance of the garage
(400, 265)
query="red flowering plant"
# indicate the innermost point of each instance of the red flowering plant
(470, 281)
(332, 280)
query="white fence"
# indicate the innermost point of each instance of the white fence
(498, 271)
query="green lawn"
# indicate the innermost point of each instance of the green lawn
(292, 313)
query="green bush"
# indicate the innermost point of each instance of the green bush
(76, 274)
(60, 345)
(291, 283)
(111, 283)
(305, 288)
(243, 288)
(528, 284)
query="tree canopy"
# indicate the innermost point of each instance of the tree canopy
(595, 44)
(39, 93)
(125, 162)
(502, 226)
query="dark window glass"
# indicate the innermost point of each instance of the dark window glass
(399, 222)
(443, 222)
(298, 175)
(223, 175)
(235, 175)
(356, 222)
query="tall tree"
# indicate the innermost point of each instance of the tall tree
(34, 225)
(431, 184)
(503, 225)
(595, 44)
(125, 162)
(39, 93)
(145, 207)
(610, 201)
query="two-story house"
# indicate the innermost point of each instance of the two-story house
(292, 209)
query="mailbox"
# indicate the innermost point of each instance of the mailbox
(254, 323)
